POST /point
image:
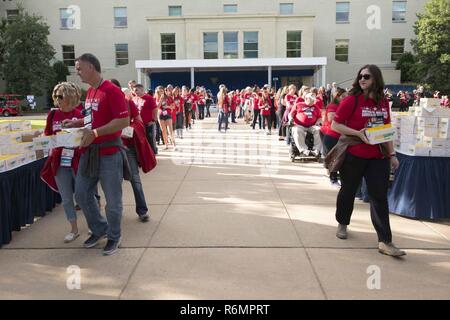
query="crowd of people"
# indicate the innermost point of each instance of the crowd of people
(333, 117)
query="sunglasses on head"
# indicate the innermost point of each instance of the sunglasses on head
(60, 97)
(365, 76)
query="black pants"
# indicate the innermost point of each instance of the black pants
(281, 127)
(267, 120)
(256, 116)
(201, 111)
(376, 172)
(328, 143)
(208, 113)
(233, 116)
(151, 130)
(273, 118)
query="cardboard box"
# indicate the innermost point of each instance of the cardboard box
(428, 132)
(440, 152)
(70, 138)
(30, 157)
(44, 143)
(419, 150)
(2, 165)
(39, 154)
(436, 142)
(20, 125)
(444, 134)
(430, 102)
(444, 124)
(380, 134)
(4, 127)
(10, 138)
(431, 122)
(408, 129)
(22, 147)
(408, 121)
(13, 161)
(410, 138)
(28, 136)
(128, 132)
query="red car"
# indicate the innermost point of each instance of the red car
(10, 104)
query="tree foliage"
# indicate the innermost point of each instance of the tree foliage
(432, 45)
(26, 54)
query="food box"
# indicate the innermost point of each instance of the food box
(419, 150)
(440, 152)
(10, 138)
(410, 138)
(430, 102)
(4, 127)
(128, 132)
(20, 125)
(380, 134)
(431, 122)
(44, 143)
(428, 132)
(39, 154)
(436, 142)
(30, 157)
(28, 136)
(13, 161)
(444, 124)
(70, 138)
(23, 147)
(2, 164)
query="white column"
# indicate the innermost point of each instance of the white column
(192, 78)
(145, 80)
(269, 75)
(324, 76)
(139, 78)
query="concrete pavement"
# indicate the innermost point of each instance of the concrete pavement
(231, 218)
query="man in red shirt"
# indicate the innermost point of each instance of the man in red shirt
(106, 114)
(149, 113)
(305, 116)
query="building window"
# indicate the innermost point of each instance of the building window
(397, 49)
(251, 44)
(342, 12)
(294, 44)
(230, 8)
(121, 54)
(174, 11)
(11, 15)
(67, 17)
(286, 8)
(342, 50)
(399, 11)
(210, 45)
(230, 45)
(120, 17)
(168, 47)
(68, 53)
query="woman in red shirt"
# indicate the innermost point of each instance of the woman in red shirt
(165, 105)
(265, 105)
(329, 136)
(366, 107)
(179, 111)
(60, 168)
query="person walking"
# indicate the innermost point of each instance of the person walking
(101, 159)
(148, 111)
(366, 107)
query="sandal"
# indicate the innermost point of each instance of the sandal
(71, 237)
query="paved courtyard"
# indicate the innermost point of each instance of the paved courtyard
(231, 218)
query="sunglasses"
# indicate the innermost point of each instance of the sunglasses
(365, 76)
(60, 97)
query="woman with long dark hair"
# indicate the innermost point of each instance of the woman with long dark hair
(366, 107)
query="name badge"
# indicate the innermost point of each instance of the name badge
(94, 106)
(57, 126)
(66, 157)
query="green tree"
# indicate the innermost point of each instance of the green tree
(408, 66)
(59, 74)
(26, 54)
(432, 45)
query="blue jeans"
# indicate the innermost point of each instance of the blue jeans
(139, 197)
(65, 180)
(151, 136)
(223, 117)
(110, 176)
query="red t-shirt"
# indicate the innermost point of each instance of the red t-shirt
(367, 114)
(80, 107)
(319, 102)
(165, 106)
(290, 101)
(326, 126)
(255, 102)
(146, 104)
(265, 109)
(179, 104)
(194, 98)
(299, 100)
(233, 103)
(55, 125)
(305, 115)
(226, 104)
(107, 103)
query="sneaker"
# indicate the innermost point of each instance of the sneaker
(93, 240)
(341, 231)
(335, 184)
(144, 217)
(70, 237)
(314, 153)
(111, 247)
(390, 249)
